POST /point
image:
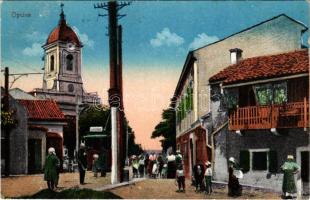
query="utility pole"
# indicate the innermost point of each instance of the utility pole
(115, 91)
(6, 107)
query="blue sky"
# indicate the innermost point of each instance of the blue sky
(177, 22)
(157, 36)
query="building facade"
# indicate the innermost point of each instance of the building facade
(268, 116)
(196, 126)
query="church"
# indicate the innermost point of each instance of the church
(62, 80)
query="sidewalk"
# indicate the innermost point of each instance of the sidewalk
(17, 186)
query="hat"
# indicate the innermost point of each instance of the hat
(178, 151)
(207, 163)
(290, 157)
(82, 145)
(95, 156)
(231, 159)
(51, 150)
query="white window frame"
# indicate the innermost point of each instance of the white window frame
(267, 150)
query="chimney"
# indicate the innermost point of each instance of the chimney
(235, 55)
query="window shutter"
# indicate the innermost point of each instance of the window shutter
(273, 162)
(245, 160)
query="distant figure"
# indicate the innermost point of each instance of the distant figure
(198, 175)
(82, 162)
(178, 158)
(180, 178)
(141, 165)
(234, 188)
(50, 170)
(208, 178)
(289, 168)
(102, 162)
(171, 166)
(160, 165)
(135, 166)
(146, 163)
(96, 166)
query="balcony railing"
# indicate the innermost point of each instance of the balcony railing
(289, 115)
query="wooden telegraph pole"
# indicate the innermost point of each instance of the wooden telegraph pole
(6, 106)
(116, 88)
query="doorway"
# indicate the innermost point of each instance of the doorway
(34, 156)
(304, 162)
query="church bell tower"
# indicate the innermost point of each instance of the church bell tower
(62, 63)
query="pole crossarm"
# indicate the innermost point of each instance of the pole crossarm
(19, 75)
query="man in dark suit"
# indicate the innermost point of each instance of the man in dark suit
(82, 162)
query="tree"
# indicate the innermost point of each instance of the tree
(101, 117)
(166, 129)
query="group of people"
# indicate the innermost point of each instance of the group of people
(171, 166)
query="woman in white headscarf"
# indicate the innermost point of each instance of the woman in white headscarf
(50, 170)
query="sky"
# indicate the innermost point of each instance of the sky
(157, 35)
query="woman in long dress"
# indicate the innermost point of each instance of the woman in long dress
(289, 168)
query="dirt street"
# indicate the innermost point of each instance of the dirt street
(166, 189)
(27, 185)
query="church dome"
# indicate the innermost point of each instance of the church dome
(63, 32)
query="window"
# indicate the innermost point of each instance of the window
(69, 61)
(271, 93)
(280, 93)
(264, 94)
(52, 62)
(259, 160)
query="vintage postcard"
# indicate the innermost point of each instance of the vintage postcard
(155, 99)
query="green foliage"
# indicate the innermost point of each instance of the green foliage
(245, 160)
(95, 117)
(8, 119)
(73, 193)
(166, 129)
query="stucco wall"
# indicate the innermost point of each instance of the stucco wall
(19, 141)
(276, 36)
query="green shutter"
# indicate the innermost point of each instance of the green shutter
(273, 162)
(245, 160)
(191, 98)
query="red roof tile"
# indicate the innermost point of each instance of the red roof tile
(264, 67)
(42, 110)
(63, 32)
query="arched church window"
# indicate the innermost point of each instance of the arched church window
(70, 88)
(69, 59)
(52, 63)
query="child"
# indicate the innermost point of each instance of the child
(95, 165)
(180, 178)
(208, 178)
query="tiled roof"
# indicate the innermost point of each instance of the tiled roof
(43, 110)
(264, 67)
(63, 32)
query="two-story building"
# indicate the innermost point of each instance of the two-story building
(196, 126)
(266, 101)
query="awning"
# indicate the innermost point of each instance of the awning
(53, 135)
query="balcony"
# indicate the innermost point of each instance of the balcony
(289, 115)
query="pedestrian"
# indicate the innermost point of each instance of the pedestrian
(171, 166)
(289, 168)
(102, 162)
(198, 175)
(96, 166)
(180, 178)
(208, 178)
(50, 170)
(155, 169)
(234, 187)
(146, 163)
(141, 165)
(135, 166)
(82, 162)
(178, 158)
